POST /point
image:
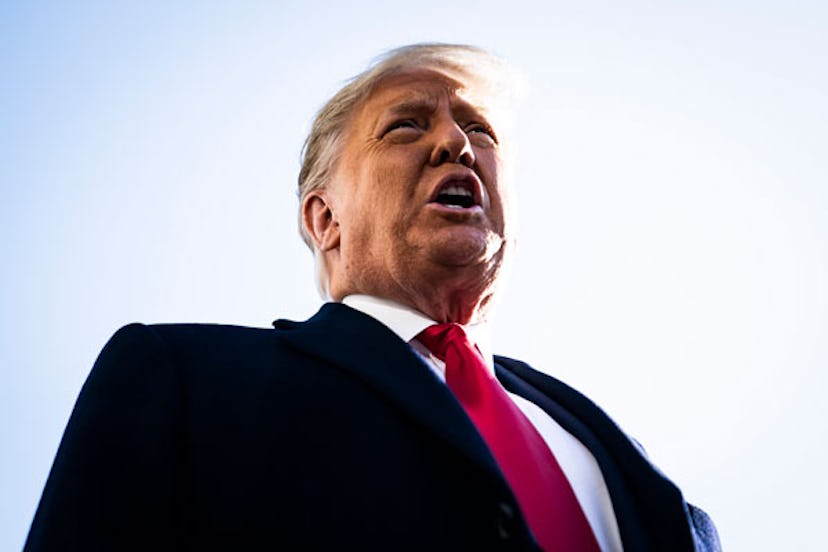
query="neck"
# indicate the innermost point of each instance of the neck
(457, 304)
(455, 294)
(453, 298)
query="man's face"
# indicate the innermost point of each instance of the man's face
(418, 193)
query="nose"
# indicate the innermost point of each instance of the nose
(451, 145)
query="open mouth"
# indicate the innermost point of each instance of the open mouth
(455, 196)
(457, 193)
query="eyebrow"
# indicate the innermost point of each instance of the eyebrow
(415, 104)
(425, 103)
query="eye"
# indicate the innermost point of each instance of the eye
(402, 124)
(481, 129)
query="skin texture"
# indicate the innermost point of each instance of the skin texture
(376, 225)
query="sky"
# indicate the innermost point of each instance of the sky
(673, 201)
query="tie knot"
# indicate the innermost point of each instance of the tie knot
(438, 337)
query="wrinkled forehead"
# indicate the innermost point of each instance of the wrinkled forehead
(466, 90)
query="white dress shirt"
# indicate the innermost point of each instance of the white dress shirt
(576, 461)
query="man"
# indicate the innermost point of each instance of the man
(378, 424)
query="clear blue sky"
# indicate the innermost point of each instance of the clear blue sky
(673, 200)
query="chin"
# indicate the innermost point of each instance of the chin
(465, 247)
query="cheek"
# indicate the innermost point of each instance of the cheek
(496, 179)
(390, 192)
(375, 206)
(395, 185)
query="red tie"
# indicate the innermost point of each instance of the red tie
(541, 488)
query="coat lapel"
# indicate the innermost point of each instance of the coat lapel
(357, 343)
(649, 508)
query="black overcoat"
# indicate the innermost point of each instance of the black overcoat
(329, 434)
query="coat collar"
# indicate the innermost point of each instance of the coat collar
(360, 345)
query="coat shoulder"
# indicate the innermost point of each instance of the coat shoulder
(184, 334)
(179, 338)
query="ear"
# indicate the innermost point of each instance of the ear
(319, 220)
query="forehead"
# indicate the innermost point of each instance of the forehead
(424, 87)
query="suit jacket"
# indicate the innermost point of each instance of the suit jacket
(324, 434)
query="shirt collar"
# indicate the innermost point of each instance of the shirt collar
(407, 322)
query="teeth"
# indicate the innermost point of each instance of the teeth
(456, 190)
